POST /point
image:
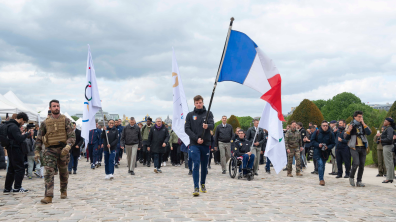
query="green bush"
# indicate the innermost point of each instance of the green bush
(307, 112)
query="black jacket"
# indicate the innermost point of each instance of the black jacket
(112, 134)
(387, 136)
(326, 137)
(194, 129)
(14, 134)
(156, 138)
(79, 141)
(343, 144)
(259, 138)
(303, 134)
(131, 136)
(3, 164)
(242, 146)
(264, 145)
(223, 134)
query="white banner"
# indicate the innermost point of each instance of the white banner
(180, 108)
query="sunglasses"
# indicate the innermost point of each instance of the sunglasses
(325, 125)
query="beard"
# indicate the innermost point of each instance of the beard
(56, 112)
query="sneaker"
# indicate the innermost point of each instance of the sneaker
(164, 164)
(203, 188)
(116, 166)
(132, 173)
(93, 166)
(352, 182)
(30, 178)
(6, 192)
(196, 192)
(20, 191)
(148, 165)
(360, 184)
(74, 172)
(269, 172)
(189, 172)
(111, 176)
(155, 170)
(79, 158)
(107, 177)
(224, 172)
(160, 171)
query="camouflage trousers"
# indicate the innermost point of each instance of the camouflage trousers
(54, 159)
(293, 153)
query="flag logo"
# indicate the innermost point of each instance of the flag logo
(176, 80)
(194, 117)
(240, 144)
(86, 87)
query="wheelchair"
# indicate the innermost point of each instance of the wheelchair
(233, 168)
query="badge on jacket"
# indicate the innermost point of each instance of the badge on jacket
(240, 144)
(194, 117)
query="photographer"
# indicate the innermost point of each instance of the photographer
(386, 139)
(342, 151)
(16, 167)
(356, 134)
(322, 141)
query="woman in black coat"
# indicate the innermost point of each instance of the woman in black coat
(157, 140)
(110, 148)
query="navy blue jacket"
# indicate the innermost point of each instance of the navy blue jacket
(120, 129)
(326, 137)
(343, 144)
(94, 136)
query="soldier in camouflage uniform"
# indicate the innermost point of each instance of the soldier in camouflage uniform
(293, 147)
(57, 134)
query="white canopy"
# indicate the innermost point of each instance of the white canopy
(79, 123)
(68, 116)
(21, 107)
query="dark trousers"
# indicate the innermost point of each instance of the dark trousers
(73, 163)
(146, 155)
(268, 165)
(157, 160)
(359, 158)
(210, 157)
(165, 156)
(199, 156)
(16, 169)
(217, 156)
(100, 155)
(175, 155)
(343, 155)
(315, 165)
(261, 159)
(118, 154)
(93, 152)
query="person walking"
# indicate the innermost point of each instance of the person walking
(16, 168)
(342, 151)
(146, 154)
(157, 139)
(94, 146)
(223, 137)
(195, 127)
(119, 151)
(323, 141)
(380, 154)
(110, 146)
(257, 143)
(29, 142)
(293, 144)
(175, 148)
(75, 151)
(131, 141)
(58, 136)
(386, 139)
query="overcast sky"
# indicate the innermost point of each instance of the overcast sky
(321, 48)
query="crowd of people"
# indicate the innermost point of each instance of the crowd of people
(48, 151)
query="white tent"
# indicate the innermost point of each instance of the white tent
(79, 123)
(7, 107)
(33, 115)
(68, 116)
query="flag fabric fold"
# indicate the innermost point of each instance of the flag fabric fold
(180, 108)
(245, 63)
(92, 102)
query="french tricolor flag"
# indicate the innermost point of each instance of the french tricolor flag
(245, 63)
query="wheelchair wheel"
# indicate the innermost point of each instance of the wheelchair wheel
(249, 177)
(233, 168)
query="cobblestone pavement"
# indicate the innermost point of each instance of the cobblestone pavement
(168, 197)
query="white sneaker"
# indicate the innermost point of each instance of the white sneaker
(107, 177)
(79, 158)
(164, 164)
(111, 176)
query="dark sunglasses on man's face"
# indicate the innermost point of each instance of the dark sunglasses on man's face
(325, 125)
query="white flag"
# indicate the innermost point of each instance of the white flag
(180, 108)
(92, 102)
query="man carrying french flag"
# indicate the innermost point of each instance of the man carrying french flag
(245, 63)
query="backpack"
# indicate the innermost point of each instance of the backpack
(4, 140)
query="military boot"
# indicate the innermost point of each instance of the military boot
(46, 200)
(289, 174)
(299, 174)
(63, 195)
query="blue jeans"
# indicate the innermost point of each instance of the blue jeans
(321, 167)
(199, 156)
(157, 160)
(73, 163)
(247, 162)
(189, 160)
(109, 161)
(268, 165)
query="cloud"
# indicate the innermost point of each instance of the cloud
(321, 48)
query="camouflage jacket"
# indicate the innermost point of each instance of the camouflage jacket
(293, 139)
(71, 136)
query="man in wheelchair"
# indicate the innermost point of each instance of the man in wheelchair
(242, 151)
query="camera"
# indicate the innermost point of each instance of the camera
(323, 146)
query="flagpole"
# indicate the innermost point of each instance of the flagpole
(218, 72)
(254, 139)
(107, 138)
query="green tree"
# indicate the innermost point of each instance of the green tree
(75, 118)
(370, 115)
(234, 122)
(348, 120)
(245, 122)
(333, 110)
(320, 103)
(307, 112)
(373, 145)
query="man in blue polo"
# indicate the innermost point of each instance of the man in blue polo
(94, 146)
(199, 146)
